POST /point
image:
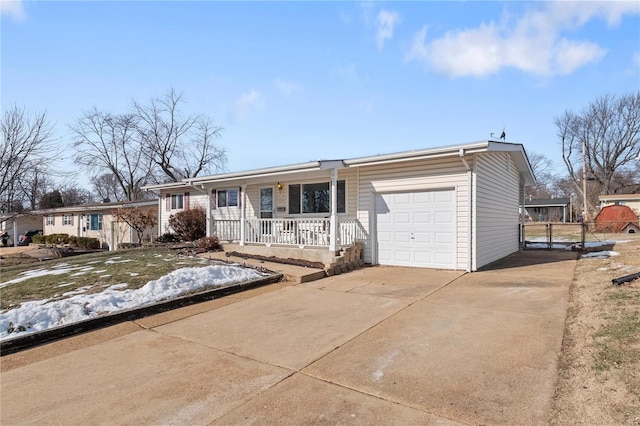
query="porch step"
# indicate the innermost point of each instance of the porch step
(292, 273)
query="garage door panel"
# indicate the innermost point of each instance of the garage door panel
(416, 229)
(402, 218)
(443, 237)
(402, 237)
(384, 237)
(422, 237)
(443, 197)
(421, 217)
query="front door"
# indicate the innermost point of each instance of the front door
(266, 209)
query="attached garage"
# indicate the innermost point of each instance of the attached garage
(449, 208)
(417, 228)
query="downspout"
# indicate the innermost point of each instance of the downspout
(523, 217)
(469, 210)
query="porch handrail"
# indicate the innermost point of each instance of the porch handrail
(226, 230)
(350, 231)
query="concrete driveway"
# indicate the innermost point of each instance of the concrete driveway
(376, 346)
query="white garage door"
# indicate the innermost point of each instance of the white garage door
(417, 229)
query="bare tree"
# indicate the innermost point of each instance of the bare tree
(180, 146)
(609, 131)
(541, 166)
(107, 187)
(26, 143)
(111, 142)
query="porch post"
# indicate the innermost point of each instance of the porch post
(243, 214)
(333, 227)
(208, 212)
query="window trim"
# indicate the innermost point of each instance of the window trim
(301, 185)
(223, 194)
(174, 201)
(67, 219)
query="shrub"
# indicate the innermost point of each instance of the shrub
(190, 224)
(56, 239)
(167, 237)
(38, 239)
(85, 243)
(209, 244)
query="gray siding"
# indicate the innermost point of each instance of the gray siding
(496, 207)
(421, 175)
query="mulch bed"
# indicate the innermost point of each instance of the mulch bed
(287, 261)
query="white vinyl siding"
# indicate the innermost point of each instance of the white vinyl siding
(497, 214)
(414, 176)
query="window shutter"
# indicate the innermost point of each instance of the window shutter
(167, 197)
(240, 197)
(71, 220)
(186, 200)
(53, 219)
(214, 200)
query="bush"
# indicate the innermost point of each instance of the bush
(55, 239)
(167, 237)
(190, 224)
(38, 239)
(85, 243)
(209, 244)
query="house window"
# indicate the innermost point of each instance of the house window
(177, 201)
(228, 198)
(50, 219)
(315, 197)
(67, 219)
(95, 222)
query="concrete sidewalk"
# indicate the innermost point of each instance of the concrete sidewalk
(377, 345)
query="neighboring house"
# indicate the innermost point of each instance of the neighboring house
(18, 223)
(630, 200)
(97, 221)
(617, 218)
(453, 207)
(548, 209)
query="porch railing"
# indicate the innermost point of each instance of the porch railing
(300, 232)
(295, 232)
(226, 230)
(350, 231)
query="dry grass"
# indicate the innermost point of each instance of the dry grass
(94, 272)
(599, 376)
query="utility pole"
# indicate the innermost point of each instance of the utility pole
(585, 214)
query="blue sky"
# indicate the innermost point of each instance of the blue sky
(298, 81)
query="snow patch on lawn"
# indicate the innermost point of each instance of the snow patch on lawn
(44, 314)
(600, 254)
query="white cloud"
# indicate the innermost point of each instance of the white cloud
(247, 101)
(385, 22)
(533, 43)
(12, 8)
(287, 88)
